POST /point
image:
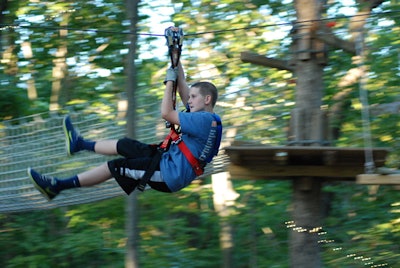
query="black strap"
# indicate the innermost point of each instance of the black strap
(127, 184)
(155, 161)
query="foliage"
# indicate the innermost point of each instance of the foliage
(381, 85)
(182, 229)
(64, 238)
(376, 242)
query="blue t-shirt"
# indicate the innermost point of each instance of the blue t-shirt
(175, 168)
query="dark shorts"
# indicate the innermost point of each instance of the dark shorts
(136, 156)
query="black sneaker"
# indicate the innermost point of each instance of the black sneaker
(71, 136)
(45, 184)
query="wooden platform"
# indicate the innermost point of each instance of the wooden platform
(253, 161)
(390, 179)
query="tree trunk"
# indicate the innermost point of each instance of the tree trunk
(59, 66)
(26, 48)
(224, 197)
(132, 232)
(132, 247)
(304, 249)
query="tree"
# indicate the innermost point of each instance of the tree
(132, 247)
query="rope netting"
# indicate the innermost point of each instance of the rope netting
(37, 141)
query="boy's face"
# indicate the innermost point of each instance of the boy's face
(198, 102)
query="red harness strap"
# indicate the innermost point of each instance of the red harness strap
(174, 137)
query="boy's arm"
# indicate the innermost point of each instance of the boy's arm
(167, 110)
(183, 88)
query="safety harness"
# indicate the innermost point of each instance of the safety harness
(174, 42)
(213, 144)
(198, 164)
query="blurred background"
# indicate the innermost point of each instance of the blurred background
(76, 57)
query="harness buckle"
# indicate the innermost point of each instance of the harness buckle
(177, 141)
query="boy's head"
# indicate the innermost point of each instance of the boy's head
(207, 88)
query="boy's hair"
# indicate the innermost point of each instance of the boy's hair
(207, 88)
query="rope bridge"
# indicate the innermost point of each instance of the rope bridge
(38, 141)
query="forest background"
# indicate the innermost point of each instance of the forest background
(45, 67)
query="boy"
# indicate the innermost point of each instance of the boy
(201, 133)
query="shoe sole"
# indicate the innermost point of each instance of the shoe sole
(41, 190)
(67, 137)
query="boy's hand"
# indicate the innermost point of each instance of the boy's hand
(172, 75)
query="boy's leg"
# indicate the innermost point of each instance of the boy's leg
(45, 184)
(106, 147)
(95, 176)
(74, 142)
(50, 186)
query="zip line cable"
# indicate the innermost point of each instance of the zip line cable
(4, 27)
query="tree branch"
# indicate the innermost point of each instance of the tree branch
(330, 39)
(265, 61)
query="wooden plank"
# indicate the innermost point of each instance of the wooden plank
(265, 61)
(391, 179)
(299, 150)
(267, 171)
(254, 161)
(313, 155)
